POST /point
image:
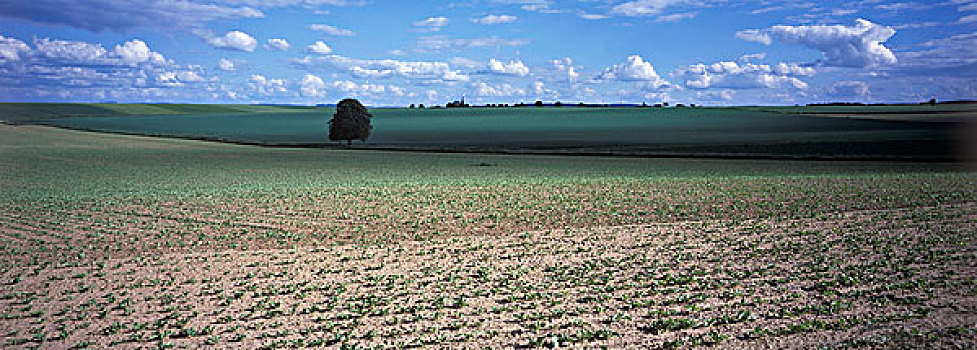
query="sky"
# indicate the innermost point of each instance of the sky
(395, 53)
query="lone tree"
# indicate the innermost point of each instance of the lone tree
(351, 122)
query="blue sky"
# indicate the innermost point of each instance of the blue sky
(491, 51)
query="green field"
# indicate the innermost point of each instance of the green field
(125, 241)
(777, 132)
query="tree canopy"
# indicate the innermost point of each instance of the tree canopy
(351, 122)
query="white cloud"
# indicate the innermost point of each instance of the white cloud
(64, 70)
(591, 16)
(136, 51)
(495, 19)
(12, 49)
(967, 19)
(720, 95)
(334, 31)
(232, 40)
(349, 86)
(307, 3)
(361, 72)
(312, 86)
(954, 56)
(367, 89)
(178, 78)
(859, 45)
(529, 5)
(540, 91)
(566, 69)
(856, 89)
(916, 25)
(513, 67)
(432, 24)
(732, 75)
(754, 35)
(676, 17)
(320, 48)
(753, 56)
(795, 69)
(277, 45)
(441, 43)
(766, 9)
(644, 7)
(453, 75)
(131, 53)
(225, 65)
(501, 90)
(422, 70)
(633, 69)
(968, 7)
(465, 63)
(266, 86)
(72, 52)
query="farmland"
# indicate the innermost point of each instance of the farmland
(116, 241)
(867, 132)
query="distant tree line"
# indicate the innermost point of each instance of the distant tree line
(462, 104)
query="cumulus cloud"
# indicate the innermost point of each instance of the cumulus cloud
(320, 48)
(225, 65)
(732, 75)
(72, 52)
(714, 96)
(266, 86)
(540, 90)
(64, 70)
(495, 19)
(334, 31)
(442, 43)
(642, 8)
(277, 45)
(232, 40)
(178, 78)
(566, 69)
(91, 14)
(12, 49)
(859, 45)
(367, 89)
(502, 90)
(131, 53)
(634, 68)
(513, 67)
(420, 70)
(312, 86)
(136, 51)
(361, 72)
(431, 24)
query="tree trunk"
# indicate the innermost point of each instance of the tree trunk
(349, 142)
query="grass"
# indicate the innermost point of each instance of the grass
(713, 132)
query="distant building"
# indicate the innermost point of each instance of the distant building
(457, 104)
